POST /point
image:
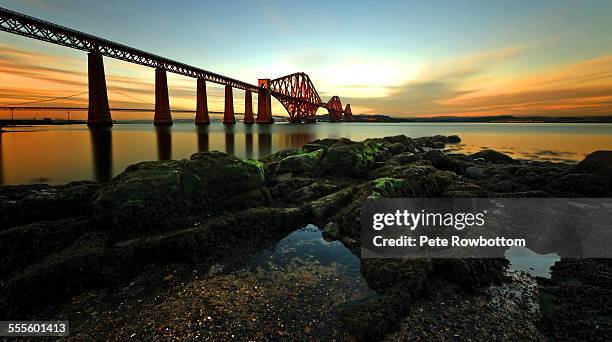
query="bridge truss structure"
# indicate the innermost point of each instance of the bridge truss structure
(296, 91)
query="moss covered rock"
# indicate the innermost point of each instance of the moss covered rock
(157, 195)
(23, 204)
(390, 187)
(492, 156)
(353, 159)
(300, 162)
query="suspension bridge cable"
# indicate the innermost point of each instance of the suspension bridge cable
(47, 100)
(128, 96)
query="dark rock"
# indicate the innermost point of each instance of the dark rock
(323, 207)
(423, 180)
(331, 231)
(313, 191)
(399, 282)
(460, 189)
(580, 184)
(305, 162)
(598, 163)
(25, 245)
(349, 158)
(406, 158)
(453, 139)
(285, 187)
(438, 144)
(492, 157)
(280, 155)
(318, 144)
(575, 302)
(396, 148)
(590, 177)
(471, 275)
(473, 172)
(443, 162)
(437, 140)
(215, 237)
(80, 266)
(251, 199)
(158, 195)
(92, 261)
(23, 204)
(390, 187)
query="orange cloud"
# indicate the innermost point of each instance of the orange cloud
(473, 86)
(28, 75)
(469, 86)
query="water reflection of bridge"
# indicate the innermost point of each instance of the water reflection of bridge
(102, 144)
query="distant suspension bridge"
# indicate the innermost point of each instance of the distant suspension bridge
(79, 102)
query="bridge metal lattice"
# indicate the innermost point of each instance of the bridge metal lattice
(334, 106)
(31, 27)
(298, 95)
(296, 91)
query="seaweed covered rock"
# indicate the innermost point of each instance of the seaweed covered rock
(579, 184)
(492, 156)
(390, 187)
(575, 301)
(23, 245)
(349, 158)
(302, 162)
(318, 144)
(399, 282)
(443, 162)
(590, 177)
(23, 204)
(598, 163)
(161, 193)
(81, 265)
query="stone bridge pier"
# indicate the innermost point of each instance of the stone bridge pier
(201, 117)
(162, 102)
(264, 103)
(248, 108)
(99, 112)
(228, 113)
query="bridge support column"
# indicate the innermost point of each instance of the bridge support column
(162, 102)
(228, 114)
(248, 108)
(201, 117)
(99, 111)
(264, 103)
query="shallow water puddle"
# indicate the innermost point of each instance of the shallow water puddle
(306, 249)
(537, 265)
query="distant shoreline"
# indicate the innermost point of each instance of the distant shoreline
(484, 119)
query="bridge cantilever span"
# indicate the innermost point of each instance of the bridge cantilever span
(296, 92)
(300, 98)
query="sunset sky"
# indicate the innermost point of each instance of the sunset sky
(401, 58)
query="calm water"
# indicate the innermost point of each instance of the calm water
(306, 250)
(526, 260)
(59, 154)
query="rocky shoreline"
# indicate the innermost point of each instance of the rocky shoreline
(60, 245)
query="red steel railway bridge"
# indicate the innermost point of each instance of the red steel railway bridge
(295, 92)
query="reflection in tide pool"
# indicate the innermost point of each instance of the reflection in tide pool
(305, 249)
(60, 154)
